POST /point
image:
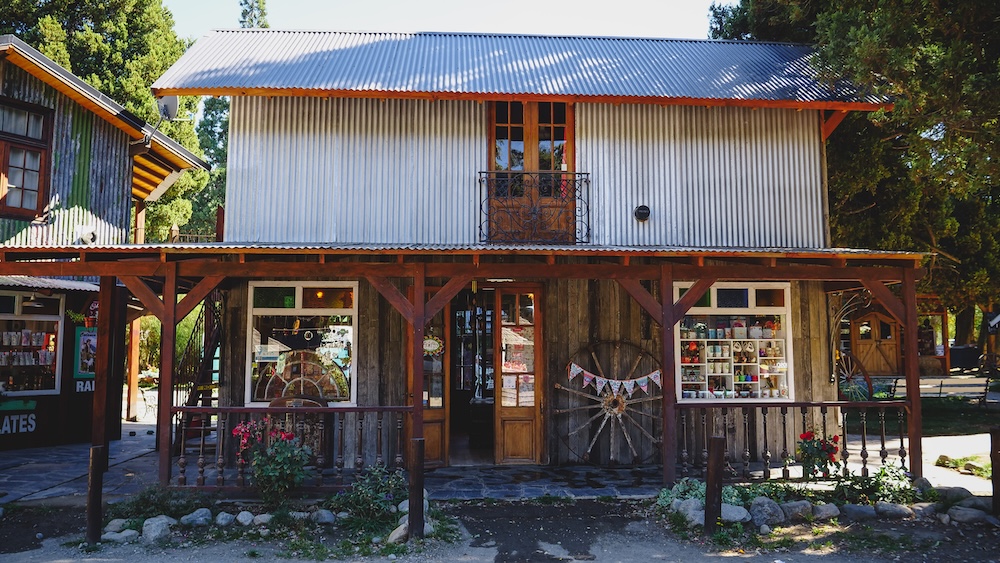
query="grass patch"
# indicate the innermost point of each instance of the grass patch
(981, 466)
(156, 500)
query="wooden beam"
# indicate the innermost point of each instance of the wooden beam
(831, 123)
(69, 269)
(197, 294)
(444, 295)
(396, 298)
(417, 355)
(911, 355)
(142, 292)
(887, 299)
(643, 298)
(668, 391)
(690, 297)
(168, 344)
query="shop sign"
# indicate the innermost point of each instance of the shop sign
(14, 422)
(84, 357)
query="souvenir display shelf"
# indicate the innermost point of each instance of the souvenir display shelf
(732, 360)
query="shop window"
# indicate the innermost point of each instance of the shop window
(24, 149)
(30, 347)
(302, 341)
(738, 349)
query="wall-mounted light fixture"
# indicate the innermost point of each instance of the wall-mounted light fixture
(641, 213)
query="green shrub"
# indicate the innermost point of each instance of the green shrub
(889, 484)
(156, 500)
(372, 498)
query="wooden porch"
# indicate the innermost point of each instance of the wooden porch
(158, 275)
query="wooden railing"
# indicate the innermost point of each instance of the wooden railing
(761, 438)
(344, 440)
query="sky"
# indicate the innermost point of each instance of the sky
(635, 18)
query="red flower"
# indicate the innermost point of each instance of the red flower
(833, 459)
(287, 436)
(836, 438)
(806, 436)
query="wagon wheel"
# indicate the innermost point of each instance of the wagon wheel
(611, 418)
(853, 382)
(989, 367)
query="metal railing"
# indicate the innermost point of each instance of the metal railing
(344, 441)
(534, 207)
(762, 438)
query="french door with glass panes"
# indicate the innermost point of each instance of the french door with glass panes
(532, 195)
(519, 391)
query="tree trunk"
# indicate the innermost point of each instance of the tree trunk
(964, 326)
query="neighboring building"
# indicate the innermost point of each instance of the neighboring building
(567, 246)
(74, 163)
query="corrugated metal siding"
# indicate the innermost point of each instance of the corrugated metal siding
(493, 64)
(712, 177)
(90, 170)
(354, 170)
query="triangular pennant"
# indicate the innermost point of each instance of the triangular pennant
(588, 378)
(629, 385)
(615, 385)
(655, 376)
(643, 383)
(574, 370)
(601, 382)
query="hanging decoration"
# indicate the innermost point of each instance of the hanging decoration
(616, 385)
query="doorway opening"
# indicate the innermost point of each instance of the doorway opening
(473, 378)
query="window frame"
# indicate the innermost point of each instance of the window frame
(299, 309)
(530, 123)
(752, 308)
(43, 146)
(61, 335)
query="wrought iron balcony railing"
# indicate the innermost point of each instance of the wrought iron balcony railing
(540, 207)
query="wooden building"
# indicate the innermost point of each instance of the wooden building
(544, 250)
(74, 166)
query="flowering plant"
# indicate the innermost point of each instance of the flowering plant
(277, 458)
(818, 454)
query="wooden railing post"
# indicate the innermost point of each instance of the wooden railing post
(713, 484)
(95, 490)
(416, 500)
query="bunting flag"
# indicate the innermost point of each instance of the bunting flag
(643, 383)
(655, 376)
(574, 370)
(629, 385)
(616, 385)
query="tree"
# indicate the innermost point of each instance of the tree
(253, 14)
(119, 47)
(920, 177)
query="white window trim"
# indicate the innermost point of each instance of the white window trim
(751, 309)
(298, 309)
(19, 315)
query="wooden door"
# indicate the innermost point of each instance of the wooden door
(518, 398)
(532, 193)
(435, 394)
(875, 342)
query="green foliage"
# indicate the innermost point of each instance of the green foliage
(157, 500)
(921, 177)
(981, 468)
(372, 499)
(817, 455)
(253, 14)
(889, 484)
(278, 460)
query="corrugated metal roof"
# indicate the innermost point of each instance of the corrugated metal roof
(486, 65)
(164, 153)
(477, 248)
(32, 282)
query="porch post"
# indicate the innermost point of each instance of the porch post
(168, 338)
(668, 447)
(416, 484)
(102, 368)
(910, 352)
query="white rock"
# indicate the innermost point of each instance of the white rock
(200, 517)
(404, 506)
(224, 519)
(733, 513)
(116, 525)
(245, 518)
(157, 529)
(343, 514)
(323, 516)
(944, 518)
(398, 535)
(765, 529)
(262, 519)
(124, 536)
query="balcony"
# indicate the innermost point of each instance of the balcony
(540, 207)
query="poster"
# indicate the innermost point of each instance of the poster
(85, 352)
